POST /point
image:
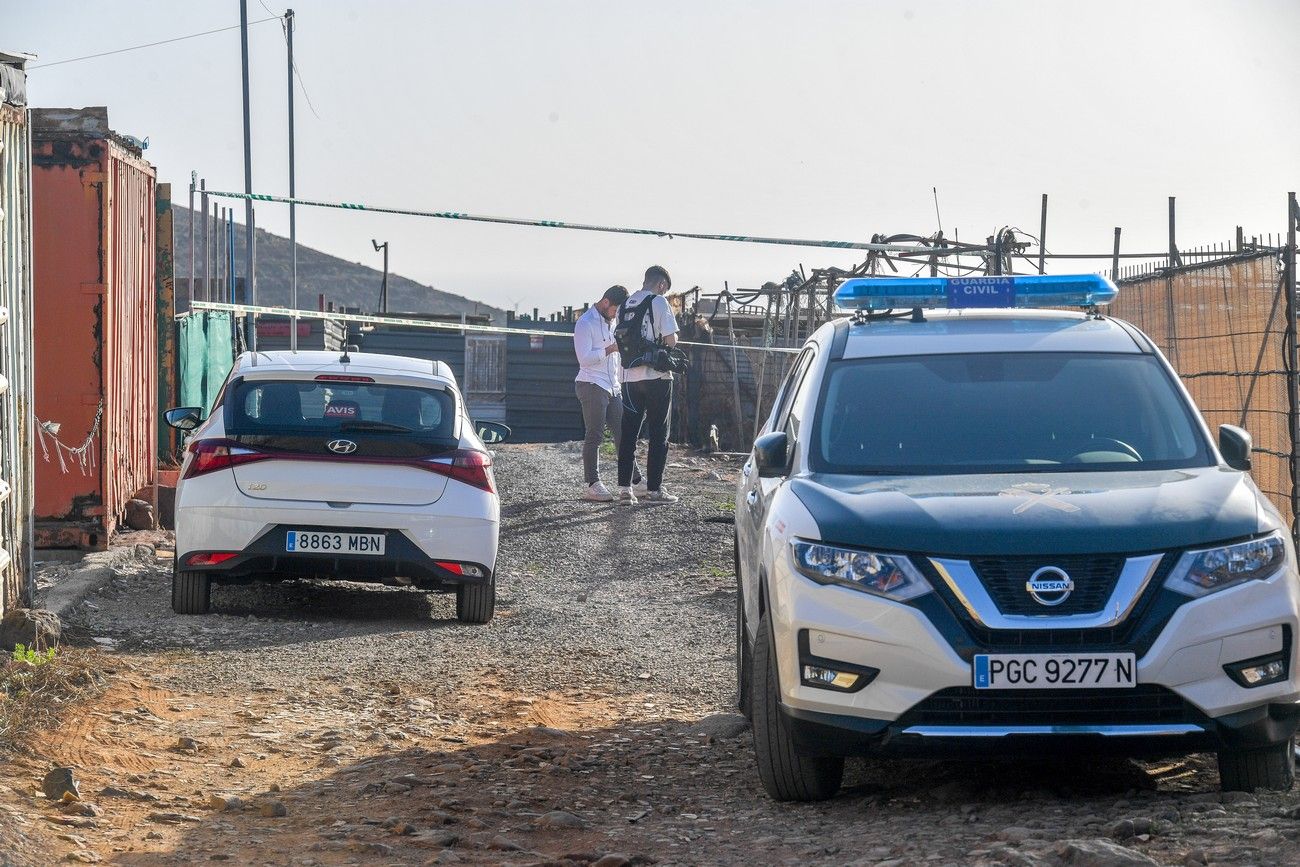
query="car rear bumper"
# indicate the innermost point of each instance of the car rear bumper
(266, 559)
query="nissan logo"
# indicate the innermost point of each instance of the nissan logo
(1050, 586)
(341, 447)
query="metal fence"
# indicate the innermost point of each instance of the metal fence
(1224, 327)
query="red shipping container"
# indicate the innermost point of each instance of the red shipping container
(95, 328)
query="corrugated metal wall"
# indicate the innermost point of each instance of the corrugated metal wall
(94, 250)
(15, 355)
(541, 405)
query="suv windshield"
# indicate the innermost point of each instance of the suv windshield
(1003, 412)
(313, 408)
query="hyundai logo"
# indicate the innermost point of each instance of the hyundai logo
(341, 447)
(1050, 586)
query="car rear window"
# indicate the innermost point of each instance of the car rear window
(308, 407)
(1004, 412)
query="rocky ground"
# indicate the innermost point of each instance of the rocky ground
(590, 722)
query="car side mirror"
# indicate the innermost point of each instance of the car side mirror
(491, 432)
(184, 417)
(1235, 444)
(770, 454)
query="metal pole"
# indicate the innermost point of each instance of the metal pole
(207, 249)
(230, 255)
(293, 224)
(248, 163)
(1174, 258)
(1114, 260)
(1293, 369)
(383, 287)
(1042, 236)
(193, 184)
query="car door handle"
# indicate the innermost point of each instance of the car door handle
(752, 498)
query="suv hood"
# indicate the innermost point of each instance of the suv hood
(1036, 513)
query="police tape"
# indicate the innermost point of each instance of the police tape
(919, 248)
(365, 319)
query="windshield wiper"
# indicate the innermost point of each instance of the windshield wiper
(376, 426)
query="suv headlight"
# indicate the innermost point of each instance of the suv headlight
(889, 575)
(1200, 573)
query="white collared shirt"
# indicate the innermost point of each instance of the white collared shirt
(591, 334)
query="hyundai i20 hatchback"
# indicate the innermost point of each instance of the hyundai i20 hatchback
(359, 467)
(972, 531)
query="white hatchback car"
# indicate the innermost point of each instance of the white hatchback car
(357, 467)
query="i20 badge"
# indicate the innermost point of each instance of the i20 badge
(1050, 586)
(341, 447)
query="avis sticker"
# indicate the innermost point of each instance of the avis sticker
(343, 409)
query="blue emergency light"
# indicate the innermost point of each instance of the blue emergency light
(1033, 290)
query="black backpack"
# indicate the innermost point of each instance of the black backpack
(633, 347)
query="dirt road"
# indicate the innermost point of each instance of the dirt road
(590, 720)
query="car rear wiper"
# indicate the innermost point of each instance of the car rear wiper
(375, 425)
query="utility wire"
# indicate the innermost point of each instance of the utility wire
(148, 45)
(302, 85)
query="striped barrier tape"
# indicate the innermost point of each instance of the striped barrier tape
(365, 319)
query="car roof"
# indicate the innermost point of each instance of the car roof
(323, 361)
(966, 331)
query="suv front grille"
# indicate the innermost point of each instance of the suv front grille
(1094, 579)
(1145, 703)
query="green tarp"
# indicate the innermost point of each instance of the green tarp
(206, 354)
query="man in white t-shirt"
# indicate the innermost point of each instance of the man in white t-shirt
(647, 393)
(598, 385)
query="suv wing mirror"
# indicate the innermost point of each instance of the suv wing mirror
(184, 417)
(1235, 444)
(771, 454)
(491, 432)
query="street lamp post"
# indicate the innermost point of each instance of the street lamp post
(383, 289)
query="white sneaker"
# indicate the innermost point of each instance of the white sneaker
(626, 497)
(598, 493)
(659, 496)
(641, 488)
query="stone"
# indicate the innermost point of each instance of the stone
(613, 859)
(138, 515)
(59, 781)
(1101, 853)
(720, 725)
(30, 627)
(237, 762)
(224, 803)
(187, 746)
(504, 844)
(171, 818)
(80, 808)
(559, 819)
(273, 810)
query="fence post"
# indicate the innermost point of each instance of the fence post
(1289, 257)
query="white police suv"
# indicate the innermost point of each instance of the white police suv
(975, 530)
(357, 466)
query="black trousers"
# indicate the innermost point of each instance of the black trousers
(646, 402)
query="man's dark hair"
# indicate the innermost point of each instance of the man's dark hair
(658, 272)
(617, 294)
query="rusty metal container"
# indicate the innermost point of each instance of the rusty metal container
(15, 336)
(96, 363)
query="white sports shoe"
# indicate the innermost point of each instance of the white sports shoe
(598, 493)
(640, 488)
(626, 497)
(659, 496)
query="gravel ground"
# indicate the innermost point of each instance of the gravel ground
(590, 722)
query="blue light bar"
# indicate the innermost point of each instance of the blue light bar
(1034, 290)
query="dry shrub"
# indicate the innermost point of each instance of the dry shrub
(34, 696)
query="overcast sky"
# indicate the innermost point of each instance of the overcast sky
(809, 119)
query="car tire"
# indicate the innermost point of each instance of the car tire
(1271, 768)
(744, 662)
(786, 775)
(191, 592)
(475, 603)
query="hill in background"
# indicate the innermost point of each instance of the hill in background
(347, 284)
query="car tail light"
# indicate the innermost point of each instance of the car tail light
(470, 466)
(339, 377)
(211, 558)
(468, 569)
(219, 454)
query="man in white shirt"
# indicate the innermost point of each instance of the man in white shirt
(598, 386)
(647, 393)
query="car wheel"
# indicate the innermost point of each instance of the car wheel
(191, 592)
(1271, 767)
(744, 664)
(476, 602)
(786, 775)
